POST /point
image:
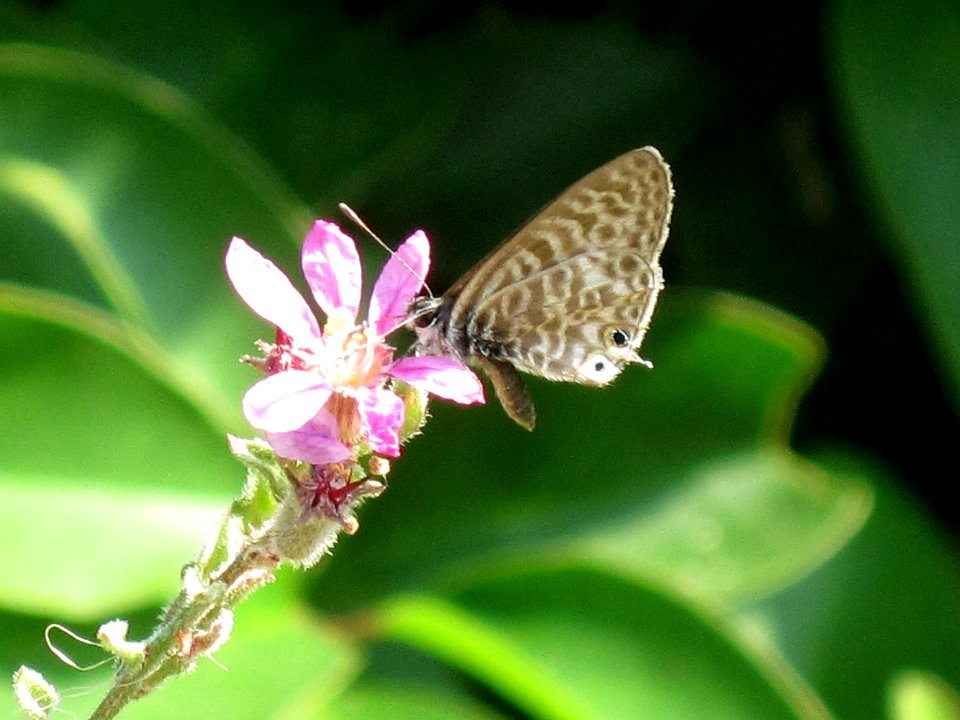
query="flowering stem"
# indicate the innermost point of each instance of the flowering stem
(333, 406)
(188, 628)
(280, 517)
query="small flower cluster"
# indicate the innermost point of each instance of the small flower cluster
(329, 395)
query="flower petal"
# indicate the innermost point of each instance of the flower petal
(399, 281)
(285, 401)
(382, 414)
(316, 442)
(268, 292)
(440, 376)
(331, 266)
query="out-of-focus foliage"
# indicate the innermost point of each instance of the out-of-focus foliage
(654, 549)
(900, 103)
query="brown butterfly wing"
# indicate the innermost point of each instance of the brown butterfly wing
(587, 264)
(551, 323)
(570, 295)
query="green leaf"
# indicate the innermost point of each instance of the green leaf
(118, 330)
(917, 695)
(78, 553)
(120, 193)
(85, 413)
(682, 472)
(888, 601)
(575, 644)
(415, 701)
(900, 95)
(747, 525)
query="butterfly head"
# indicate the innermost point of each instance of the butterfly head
(429, 318)
(423, 312)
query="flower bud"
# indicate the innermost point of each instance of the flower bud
(113, 639)
(35, 696)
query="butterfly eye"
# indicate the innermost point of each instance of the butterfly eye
(618, 338)
(599, 369)
(424, 311)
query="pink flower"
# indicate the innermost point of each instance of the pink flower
(327, 389)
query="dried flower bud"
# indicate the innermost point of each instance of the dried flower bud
(113, 639)
(35, 696)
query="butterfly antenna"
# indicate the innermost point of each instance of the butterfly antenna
(349, 212)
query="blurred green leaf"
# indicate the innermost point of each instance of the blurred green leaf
(118, 330)
(121, 180)
(577, 643)
(366, 700)
(82, 553)
(85, 413)
(745, 526)
(889, 600)
(109, 480)
(917, 695)
(686, 461)
(898, 85)
(689, 484)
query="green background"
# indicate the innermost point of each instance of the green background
(760, 527)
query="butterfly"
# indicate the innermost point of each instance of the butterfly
(570, 295)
